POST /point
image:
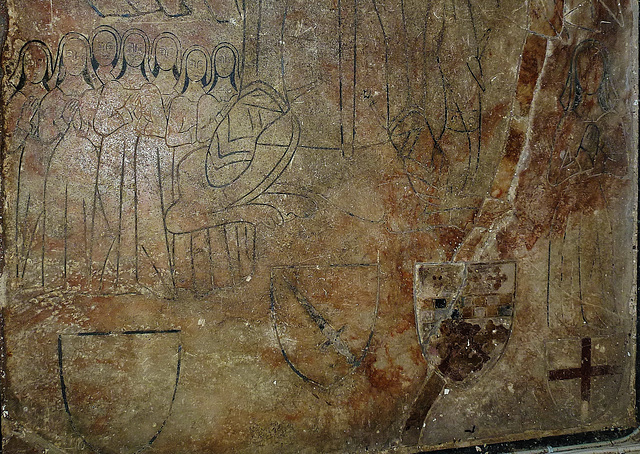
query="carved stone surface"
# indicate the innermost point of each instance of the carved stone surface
(317, 226)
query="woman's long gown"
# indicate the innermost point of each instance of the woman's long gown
(69, 189)
(135, 182)
(581, 294)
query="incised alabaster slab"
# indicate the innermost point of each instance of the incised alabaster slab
(317, 226)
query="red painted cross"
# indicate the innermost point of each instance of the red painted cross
(584, 372)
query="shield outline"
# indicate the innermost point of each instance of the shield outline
(274, 319)
(111, 333)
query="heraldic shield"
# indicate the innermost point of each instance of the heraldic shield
(118, 388)
(464, 313)
(324, 318)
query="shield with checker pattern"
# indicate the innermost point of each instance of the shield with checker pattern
(464, 312)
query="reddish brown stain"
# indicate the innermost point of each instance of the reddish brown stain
(558, 17)
(272, 357)
(382, 372)
(547, 21)
(533, 56)
(403, 326)
(416, 354)
(514, 145)
(466, 348)
(293, 416)
(450, 238)
(387, 380)
(491, 118)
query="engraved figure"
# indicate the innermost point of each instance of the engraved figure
(182, 138)
(408, 29)
(586, 160)
(26, 87)
(183, 115)
(105, 45)
(165, 66)
(460, 47)
(222, 92)
(424, 161)
(435, 84)
(28, 84)
(135, 164)
(70, 177)
(249, 139)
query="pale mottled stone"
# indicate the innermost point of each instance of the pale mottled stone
(317, 226)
